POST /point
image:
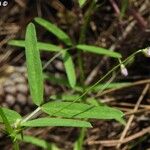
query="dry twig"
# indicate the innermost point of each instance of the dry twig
(132, 116)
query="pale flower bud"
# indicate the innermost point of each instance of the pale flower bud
(147, 51)
(124, 70)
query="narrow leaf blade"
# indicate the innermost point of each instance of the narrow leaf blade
(43, 122)
(41, 45)
(69, 67)
(111, 86)
(34, 66)
(80, 110)
(98, 50)
(54, 30)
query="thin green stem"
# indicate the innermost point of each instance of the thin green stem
(34, 114)
(54, 57)
(81, 138)
(16, 145)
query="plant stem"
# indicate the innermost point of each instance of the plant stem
(34, 114)
(81, 138)
(16, 145)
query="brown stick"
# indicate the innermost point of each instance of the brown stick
(132, 116)
(111, 143)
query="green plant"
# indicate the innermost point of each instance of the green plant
(72, 110)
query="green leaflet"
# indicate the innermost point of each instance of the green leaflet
(70, 69)
(80, 110)
(34, 66)
(54, 30)
(11, 115)
(41, 45)
(98, 50)
(43, 122)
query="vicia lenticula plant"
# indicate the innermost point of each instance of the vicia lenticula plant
(72, 113)
(70, 110)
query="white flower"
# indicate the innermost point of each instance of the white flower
(124, 70)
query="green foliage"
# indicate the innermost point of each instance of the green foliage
(54, 30)
(68, 63)
(43, 122)
(67, 107)
(36, 78)
(80, 110)
(95, 102)
(78, 144)
(3, 117)
(11, 115)
(110, 86)
(40, 45)
(7, 117)
(69, 66)
(34, 66)
(98, 50)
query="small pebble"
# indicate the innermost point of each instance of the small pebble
(22, 88)
(9, 83)
(10, 99)
(21, 99)
(10, 89)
